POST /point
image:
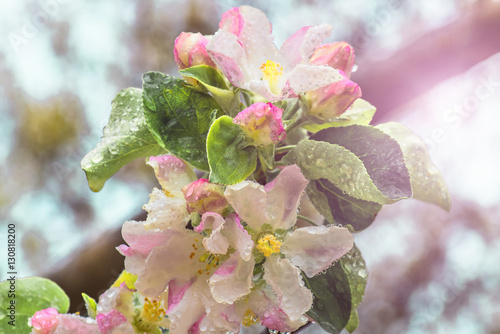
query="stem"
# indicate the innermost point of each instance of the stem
(279, 164)
(310, 221)
(284, 148)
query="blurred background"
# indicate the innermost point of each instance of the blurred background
(432, 65)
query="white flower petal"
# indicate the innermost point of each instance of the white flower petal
(172, 173)
(216, 243)
(304, 78)
(238, 237)
(229, 55)
(165, 212)
(285, 279)
(314, 248)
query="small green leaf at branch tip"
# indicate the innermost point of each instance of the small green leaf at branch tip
(125, 138)
(32, 294)
(179, 117)
(90, 305)
(230, 159)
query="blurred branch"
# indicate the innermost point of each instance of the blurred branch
(430, 59)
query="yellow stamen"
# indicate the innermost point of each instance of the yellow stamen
(152, 310)
(272, 72)
(167, 193)
(268, 244)
(250, 319)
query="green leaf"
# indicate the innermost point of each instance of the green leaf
(214, 82)
(321, 160)
(340, 207)
(27, 296)
(125, 138)
(427, 183)
(178, 116)
(231, 160)
(266, 154)
(380, 153)
(331, 307)
(355, 268)
(90, 305)
(360, 112)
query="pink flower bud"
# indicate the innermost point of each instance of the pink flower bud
(332, 100)
(262, 122)
(338, 55)
(190, 50)
(45, 321)
(203, 196)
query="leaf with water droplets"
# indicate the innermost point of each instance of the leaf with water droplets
(355, 268)
(322, 160)
(338, 207)
(332, 298)
(26, 296)
(231, 160)
(212, 81)
(360, 112)
(126, 137)
(427, 183)
(380, 153)
(179, 117)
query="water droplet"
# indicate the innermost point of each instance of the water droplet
(96, 158)
(273, 331)
(354, 68)
(363, 273)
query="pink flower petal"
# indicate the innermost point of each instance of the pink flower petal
(108, 321)
(339, 55)
(262, 122)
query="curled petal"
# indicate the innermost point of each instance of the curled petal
(248, 199)
(286, 281)
(315, 248)
(339, 55)
(262, 122)
(232, 280)
(172, 173)
(238, 236)
(109, 321)
(216, 243)
(118, 299)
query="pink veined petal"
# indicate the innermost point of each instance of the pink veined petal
(304, 78)
(283, 197)
(74, 324)
(262, 122)
(189, 310)
(285, 279)
(176, 292)
(108, 321)
(177, 259)
(314, 248)
(216, 243)
(339, 55)
(238, 237)
(232, 280)
(229, 55)
(232, 21)
(248, 199)
(141, 240)
(300, 46)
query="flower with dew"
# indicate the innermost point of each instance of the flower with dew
(203, 196)
(190, 50)
(244, 50)
(262, 123)
(270, 213)
(201, 272)
(332, 100)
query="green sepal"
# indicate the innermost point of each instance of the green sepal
(266, 154)
(230, 157)
(125, 138)
(27, 296)
(90, 305)
(179, 117)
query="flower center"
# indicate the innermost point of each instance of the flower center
(272, 72)
(249, 319)
(268, 244)
(152, 310)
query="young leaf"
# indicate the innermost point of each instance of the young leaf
(31, 294)
(321, 160)
(213, 82)
(230, 160)
(360, 112)
(90, 305)
(380, 153)
(355, 268)
(427, 183)
(332, 303)
(125, 138)
(178, 117)
(344, 209)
